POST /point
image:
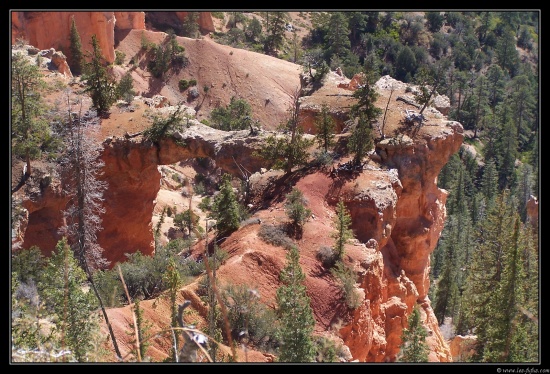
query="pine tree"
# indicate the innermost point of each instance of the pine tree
(173, 282)
(365, 113)
(29, 128)
(63, 289)
(342, 222)
(99, 82)
(337, 37)
(360, 140)
(325, 126)
(190, 25)
(414, 347)
(125, 88)
(275, 32)
(295, 209)
(497, 286)
(295, 313)
(225, 209)
(76, 56)
(289, 149)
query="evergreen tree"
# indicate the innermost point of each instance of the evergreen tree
(190, 25)
(29, 128)
(342, 222)
(289, 149)
(99, 83)
(76, 56)
(506, 52)
(295, 313)
(235, 116)
(405, 64)
(173, 282)
(337, 38)
(414, 347)
(360, 141)
(63, 289)
(325, 126)
(225, 209)
(253, 30)
(496, 286)
(125, 88)
(435, 21)
(295, 208)
(143, 328)
(275, 29)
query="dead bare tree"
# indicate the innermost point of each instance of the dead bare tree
(392, 89)
(82, 166)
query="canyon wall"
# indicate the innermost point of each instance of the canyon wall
(46, 30)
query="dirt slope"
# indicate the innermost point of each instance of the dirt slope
(264, 82)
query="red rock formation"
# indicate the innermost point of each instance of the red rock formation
(129, 20)
(60, 61)
(134, 180)
(46, 30)
(462, 347)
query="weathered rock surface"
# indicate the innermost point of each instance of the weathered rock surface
(52, 29)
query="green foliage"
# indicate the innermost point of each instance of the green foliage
(62, 287)
(366, 96)
(337, 37)
(414, 347)
(184, 84)
(360, 140)
(326, 349)
(190, 25)
(206, 204)
(76, 57)
(225, 209)
(28, 264)
(295, 208)
(143, 274)
(325, 126)
(435, 21)
(125, 88)
(497, 285)
(275, 29)
(119, 57)
(347, 278)
(295, 313)
(143, 328)
(29, 128)
(165, 126)
(251, 321)
(342, 222)
(189, 220)
(99, 83)
(145, 43)
(235, 116)
(290, 149)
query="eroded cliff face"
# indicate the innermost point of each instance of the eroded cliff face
(134, 180)
(45, 30)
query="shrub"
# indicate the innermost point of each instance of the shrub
(275, 235)
(327, 256)
(249, 318)
(183, 84)
(119, 59)
(347, 279)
